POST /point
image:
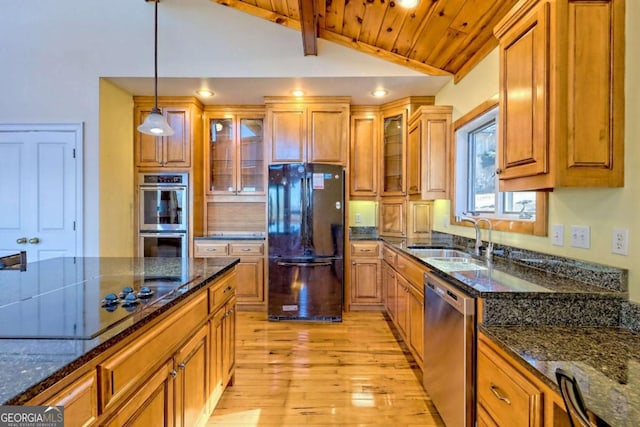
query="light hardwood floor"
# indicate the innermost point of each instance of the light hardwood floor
(353, 373)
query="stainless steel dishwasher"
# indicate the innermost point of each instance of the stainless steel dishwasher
(449, 347)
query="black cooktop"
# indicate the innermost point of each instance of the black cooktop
(68, 298)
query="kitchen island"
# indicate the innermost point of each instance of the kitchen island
(64, 341)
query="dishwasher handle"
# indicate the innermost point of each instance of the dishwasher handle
(453, 296)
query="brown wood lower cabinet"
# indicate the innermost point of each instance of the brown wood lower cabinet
(170, 372)
(508, 395)
(365, 291)
(80, 401)
(150, 405)
(250, 283)
(191, 391)
(402, 284)
(389, 289)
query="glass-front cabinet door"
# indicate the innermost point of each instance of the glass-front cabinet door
(222, 156)
(236, 154)
(251, 176)
(393, 177)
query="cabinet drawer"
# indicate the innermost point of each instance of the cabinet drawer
(389, 256)
(211, 249)
(122, 372)
(364, 249)
(505, 394)
(410, 270)
(245, 249)
(224, 290)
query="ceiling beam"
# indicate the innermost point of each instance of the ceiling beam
(309, 23)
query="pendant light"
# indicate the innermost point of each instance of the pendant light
(155, 124)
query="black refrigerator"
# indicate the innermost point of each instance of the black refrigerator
(306, 242)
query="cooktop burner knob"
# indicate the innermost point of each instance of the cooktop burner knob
(110, 300)
(130, 299)
(127, 290)
(145, 292)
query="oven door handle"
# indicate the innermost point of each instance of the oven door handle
(161, 188)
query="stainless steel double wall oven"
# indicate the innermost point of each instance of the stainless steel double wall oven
(163, 214)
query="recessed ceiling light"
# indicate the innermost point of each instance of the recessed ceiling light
(379, 93)
(205, 92)
(408, 4)
(297, 92)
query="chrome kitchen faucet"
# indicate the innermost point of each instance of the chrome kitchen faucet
(489, 250)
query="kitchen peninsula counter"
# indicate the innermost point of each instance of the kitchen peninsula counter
(53, 320)
(605, 361)
(549, 312)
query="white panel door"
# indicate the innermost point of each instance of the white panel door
(38, 180)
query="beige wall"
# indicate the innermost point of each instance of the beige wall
(116, 171)
(600, 209)
(366, 210)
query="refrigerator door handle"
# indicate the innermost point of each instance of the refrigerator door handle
(303, 219)
(304, 264)
(309, 212)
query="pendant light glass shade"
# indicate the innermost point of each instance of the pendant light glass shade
(155, 124)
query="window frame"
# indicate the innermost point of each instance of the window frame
(537, 227)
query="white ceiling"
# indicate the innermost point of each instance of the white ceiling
(252, 90)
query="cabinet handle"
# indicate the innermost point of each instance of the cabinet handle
(21, 240)
(182, 365)
(246, 250)
(226, 290)
(366, 250)
(34, 240)
(173, 373)
(496, 392)
(498, 171)
(211, 250)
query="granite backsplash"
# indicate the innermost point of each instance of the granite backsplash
(626, 312)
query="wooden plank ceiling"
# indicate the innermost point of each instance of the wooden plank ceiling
(437, 37)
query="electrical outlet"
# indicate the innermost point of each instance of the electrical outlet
(557, 234)
(358, 218)
(620, 241)
(580, 237)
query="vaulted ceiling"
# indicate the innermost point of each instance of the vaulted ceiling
(437, 37)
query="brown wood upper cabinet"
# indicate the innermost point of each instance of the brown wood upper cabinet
(395, 156)
(428, 146)
(175, 151)
(234, 151)
(561, 95)
(313, 129)
(363, 162)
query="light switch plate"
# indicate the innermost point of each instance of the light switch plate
(580, 237)
(557, 234)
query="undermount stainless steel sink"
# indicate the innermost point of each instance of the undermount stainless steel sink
(448, 259)
(439, 253)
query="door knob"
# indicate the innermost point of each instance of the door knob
(34, 240)
(21, 240)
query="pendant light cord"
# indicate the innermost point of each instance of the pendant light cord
(155, 55)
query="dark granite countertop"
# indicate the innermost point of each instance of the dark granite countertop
(74, 327)
(502, 277)
(605, 361)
